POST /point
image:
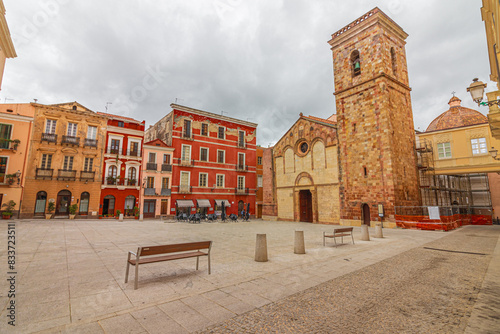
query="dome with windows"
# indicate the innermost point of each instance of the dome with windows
(456, 117)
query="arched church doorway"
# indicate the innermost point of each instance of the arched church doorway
(366, 214)
(305, 206)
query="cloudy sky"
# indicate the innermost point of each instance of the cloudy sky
(262, 60)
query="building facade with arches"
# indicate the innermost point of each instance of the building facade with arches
(64, 164)
(306, 172)
(122, 165)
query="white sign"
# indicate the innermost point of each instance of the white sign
(172, 209)
(433, 212)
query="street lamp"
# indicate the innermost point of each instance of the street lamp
(18, 175)
(476, 90)
(493, 153)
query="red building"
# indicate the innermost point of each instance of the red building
(214, 160)
(122, 165)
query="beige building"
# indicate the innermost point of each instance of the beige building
(6, 46)
(65, 160)
(306, 172)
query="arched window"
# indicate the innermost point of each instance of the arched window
(41, 200)
(84, 203)
(112, 171)
(355, 63)
(393, 60)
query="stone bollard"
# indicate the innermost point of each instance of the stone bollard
(300, 247)
(365, 235)
(378, 231)
(141, 217)
(261, 248)
(120, 218)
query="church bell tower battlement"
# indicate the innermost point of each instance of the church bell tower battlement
(375, 122)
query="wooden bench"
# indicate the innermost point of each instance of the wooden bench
(339, 233)
(154, 254)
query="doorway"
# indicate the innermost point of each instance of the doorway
(366, 214)
(108, 205)
(63, 201)
(149, 208)
(305, 206)
(41, 200)
(164, 207)
(241, 207)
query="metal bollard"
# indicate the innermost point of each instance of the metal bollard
(378, 231)
(141, 217)
(261, 248)
(120, 218)
(365, 235)
(299, 247)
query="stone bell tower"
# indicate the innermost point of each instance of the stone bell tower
(375, 120)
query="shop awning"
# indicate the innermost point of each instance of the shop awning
(219, 202)
(184, 203)
(203, 203)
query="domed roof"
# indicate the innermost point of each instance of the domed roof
(457, 116)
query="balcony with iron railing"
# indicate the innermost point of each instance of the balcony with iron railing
(185, 189)
(242, 191)
(9, 144)
(87, 175)
(241, 144)
(152, 166)
(186, 163)
(149, 192)
(166, 192)
(242, 168)
(133, 153)
(49, 137)
(44, 173)
(113, 150)
(187, 135)
(70, 140)
(166, 167)
(90, 142)
(119, 181)
(66, 175)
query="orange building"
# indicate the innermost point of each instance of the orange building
(16, 121)
(65, 160)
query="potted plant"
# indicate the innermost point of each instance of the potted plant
(131, 182)
(10, 178)
(118, 213)
(72, 211)
(15, 143)
(110, 180)
(9, 206)
(136, 212)
(50, 209)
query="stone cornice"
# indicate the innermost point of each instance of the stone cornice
(374, 16)
(212, 115)
(5, 39)
(381, 75)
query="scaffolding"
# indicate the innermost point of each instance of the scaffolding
(464, 190)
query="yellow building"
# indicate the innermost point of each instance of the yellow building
(65, 160)
(16, 121)
(306, 172)
(455, 162)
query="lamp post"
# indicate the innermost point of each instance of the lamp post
(494, 152)
(18, 175)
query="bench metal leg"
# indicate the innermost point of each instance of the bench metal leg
(324, 239)
(352, 238)
(128, 266)
(209, 263)
(197, 262)
(335, 240)
(136, 275)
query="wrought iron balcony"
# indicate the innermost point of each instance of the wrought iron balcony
(151, 166)
(149, 192)
(71, 140)
(44, 173)
(242, 191)
(113, 150)
(87, 175)
(166, 167)
(186, 163)
(134, 153)
(242, 168)
(49, 137)
(90, 142)
(66, 175)
(185, 189)
(241, 144)
(188, 136)
(166, 192)
(7, 144)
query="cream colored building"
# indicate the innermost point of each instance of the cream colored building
(6, 46)
(306, 172)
